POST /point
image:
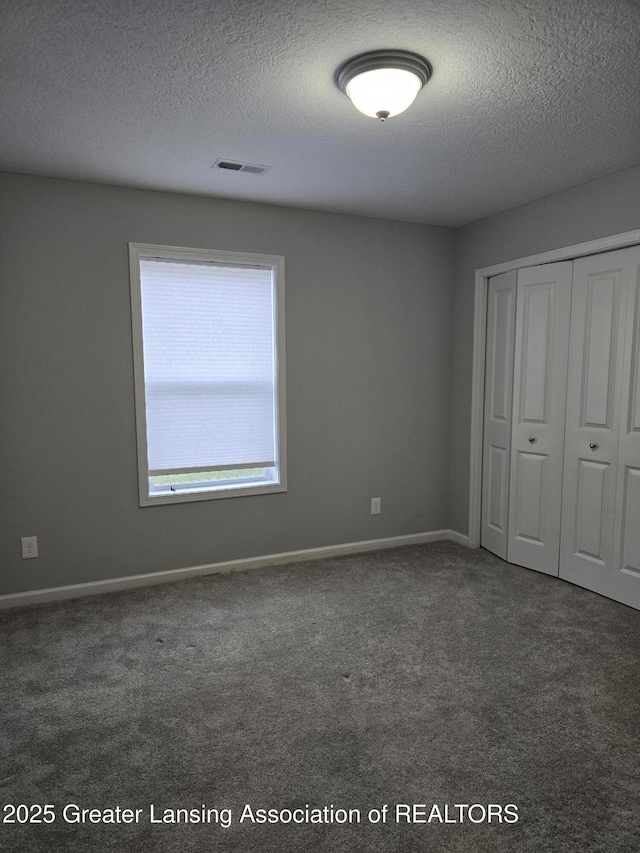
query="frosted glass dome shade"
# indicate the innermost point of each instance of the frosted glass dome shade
(384, 91)
(383, 83)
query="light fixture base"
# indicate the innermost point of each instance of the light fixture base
(376, 59)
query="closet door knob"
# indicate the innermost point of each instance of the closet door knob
(593, 446)
(531, 440)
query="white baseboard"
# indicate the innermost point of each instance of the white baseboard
(459, 538)
(78, 590)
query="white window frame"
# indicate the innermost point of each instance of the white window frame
(150, 496)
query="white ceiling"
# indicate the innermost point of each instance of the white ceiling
(527, 97)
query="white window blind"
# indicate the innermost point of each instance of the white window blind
(209, 365)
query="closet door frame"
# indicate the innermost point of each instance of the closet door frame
(482, 276)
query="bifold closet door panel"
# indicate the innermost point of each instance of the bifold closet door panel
(496, 448)
(539, 395)
(627, 530)
(601, 495)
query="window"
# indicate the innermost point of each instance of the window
(208, 332)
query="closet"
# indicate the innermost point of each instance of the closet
(561, 440)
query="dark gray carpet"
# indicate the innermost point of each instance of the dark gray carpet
(423, 675)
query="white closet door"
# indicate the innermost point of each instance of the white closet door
(539, 395)
(601, 496)
(626, 582)
(501, 307)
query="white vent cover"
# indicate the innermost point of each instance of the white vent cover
(237, 166)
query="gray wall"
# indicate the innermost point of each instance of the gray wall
(610, 205)
(378, 403)
(368, 312)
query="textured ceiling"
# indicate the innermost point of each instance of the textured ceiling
(527, 97)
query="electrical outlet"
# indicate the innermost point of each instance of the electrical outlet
(29, 547)
(376, 508)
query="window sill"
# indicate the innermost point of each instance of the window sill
(186, 496)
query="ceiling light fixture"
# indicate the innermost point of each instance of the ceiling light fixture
(383, 83)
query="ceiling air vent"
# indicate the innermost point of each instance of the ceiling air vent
(236, 166)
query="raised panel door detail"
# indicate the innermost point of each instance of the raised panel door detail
(531, 477)
(591, 499)
(501, 347)
(497, 489)
(634, 382)
(600, 348)
(631, 523)
(536, 345)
